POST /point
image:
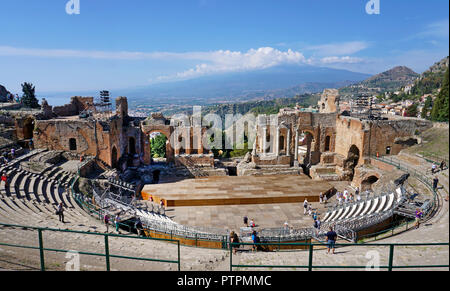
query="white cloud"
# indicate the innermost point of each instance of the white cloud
(438, 29)
(342, 60)
(235, 61)
(339, 49)
(212, 62)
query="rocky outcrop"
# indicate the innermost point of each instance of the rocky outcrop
(3, 93)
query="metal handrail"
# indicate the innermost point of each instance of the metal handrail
(106, 236)
(310, 246)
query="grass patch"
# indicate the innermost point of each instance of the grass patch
(435, 143)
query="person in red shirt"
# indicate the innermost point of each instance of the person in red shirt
(5, 179)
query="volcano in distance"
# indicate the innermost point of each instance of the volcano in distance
(242, 86)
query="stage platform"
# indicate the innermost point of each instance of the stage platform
(242, 190)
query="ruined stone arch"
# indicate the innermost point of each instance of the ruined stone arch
(369, 180)
(352, 160)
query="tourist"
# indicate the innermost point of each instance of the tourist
(106, 221)
(358, 197)
(309, 210)
(325, 199)
(321, 197)
(435, 183)
(161, 206)
(442, 165)
(255, 240)
(314, 216)
(234, 241)
(117, 223)
(433, 168)
(13, 153)
(331, 240)
(246, 221)
(305, 206)
(339, 197)
(316, 226)
(5, 179)
(60, 212)
(345, 194)
(418, 215)
(138, 226)
(252, 223)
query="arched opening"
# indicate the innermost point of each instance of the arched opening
(156, 175)
(327, 143)
(28, 129)
(306, 147)
(72, 144)
(132, 146)
(367, 183)
(181, 145)
(114, 157)
(158, 146)
(281, 142)
(352, 160)
(388, 150)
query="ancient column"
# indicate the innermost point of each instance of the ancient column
(277, 142)
(264, 140)
(296, 148)
(188, 141)
(288, 143)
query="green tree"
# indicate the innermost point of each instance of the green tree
(441, 104)
(428, 104)
(158, 146)
(412, 111)
(29, 99)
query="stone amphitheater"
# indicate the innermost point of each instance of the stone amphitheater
(31, 199)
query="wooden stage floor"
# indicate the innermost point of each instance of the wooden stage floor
(242, 190)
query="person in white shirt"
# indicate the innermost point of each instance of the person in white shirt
(305, 206)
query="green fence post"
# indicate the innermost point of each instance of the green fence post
(108, 266)
(231, 257)
(391, 257)
(41, 250)
(179, 257)
(311, 249)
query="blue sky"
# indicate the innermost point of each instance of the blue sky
(115, 44)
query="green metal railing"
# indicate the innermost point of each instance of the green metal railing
(310, 246)
(106, 254)
(413, 172)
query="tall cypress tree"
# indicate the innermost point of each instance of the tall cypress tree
(441, 104)
(29, 99)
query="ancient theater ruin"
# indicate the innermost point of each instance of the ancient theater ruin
(103, 157)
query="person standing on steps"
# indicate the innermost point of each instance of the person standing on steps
(117, 223)
(106, 221)
(60, 212)
(246, 221)
(435, 183)
(331, 240)
(305, 206)
(418, 215)
(5, 179)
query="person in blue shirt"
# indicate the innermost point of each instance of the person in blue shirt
(331, 240)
